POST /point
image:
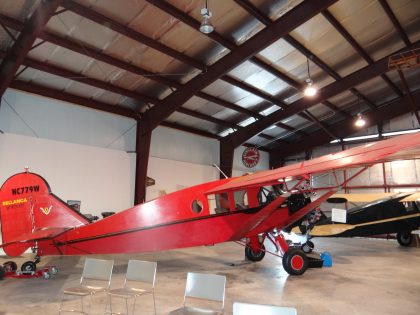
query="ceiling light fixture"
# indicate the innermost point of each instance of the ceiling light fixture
(310, 89)
(360, 121)
(206, 27)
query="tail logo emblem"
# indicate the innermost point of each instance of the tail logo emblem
(46, 210)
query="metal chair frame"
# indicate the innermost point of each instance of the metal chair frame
(261, 309)
(95, 270)
(138, 272)
(207, 287)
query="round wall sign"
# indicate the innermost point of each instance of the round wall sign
(250, 157)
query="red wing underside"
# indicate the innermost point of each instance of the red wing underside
(403, 147)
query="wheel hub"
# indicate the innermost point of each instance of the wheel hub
(296, 262)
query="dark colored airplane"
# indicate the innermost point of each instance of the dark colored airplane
(399, 214)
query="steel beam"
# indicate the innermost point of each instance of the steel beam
(136, 36)
(333, 21)
(226, 159)
(25, 40)
(413, 105)
(130, 33)
(320, 124)
(74, 46)
(185, 18)
(190, 130)
(360, 76)
(345, 128)
(395, 22)
(71, 98)
(264, 38)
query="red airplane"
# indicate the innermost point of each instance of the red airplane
(245, 208)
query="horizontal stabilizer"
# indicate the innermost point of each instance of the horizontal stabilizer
(40, 235)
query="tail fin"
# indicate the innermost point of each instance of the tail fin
(28, 206)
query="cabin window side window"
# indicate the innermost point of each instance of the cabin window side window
(241, 199)
(218, 203)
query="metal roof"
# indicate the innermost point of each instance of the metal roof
(243, 82)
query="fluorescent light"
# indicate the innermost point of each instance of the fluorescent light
(397, 133)
(386, 134)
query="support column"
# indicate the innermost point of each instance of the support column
(143, 141)
(226, 158)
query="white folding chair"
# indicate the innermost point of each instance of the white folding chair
(139, 280)
(205, 288)
(96, 277)
(260, 309)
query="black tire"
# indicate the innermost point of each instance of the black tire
(295, 262)
(255, 256)
(10, 266)
(404, 238)
(28, 266)
(2, 272)
(307, 247)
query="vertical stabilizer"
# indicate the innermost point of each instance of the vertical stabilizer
(28, 206)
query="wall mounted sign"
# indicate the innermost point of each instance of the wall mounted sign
(250, 157)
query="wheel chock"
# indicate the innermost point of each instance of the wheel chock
(327, 260)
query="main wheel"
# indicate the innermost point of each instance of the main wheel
(28, 266)
(295, 262)
(2, 272)
(255, 256)
(307, 247)
(404, 238)
(10, 266)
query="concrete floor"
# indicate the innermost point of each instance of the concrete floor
(369, 276)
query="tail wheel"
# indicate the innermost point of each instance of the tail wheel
(10, 266)
(255, 255)
(295, 262)
(308, 247)
(28, 266)
(404, 238)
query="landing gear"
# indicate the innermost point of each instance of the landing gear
(295, 262)
(28, 267)
(10, 266)
(255, 249)
(27, 270)
(2, 272)
(404, 238)
(253, 255)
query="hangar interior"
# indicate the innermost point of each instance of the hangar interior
(99, 94)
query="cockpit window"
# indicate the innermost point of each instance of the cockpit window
(222, 203)
(241, 199)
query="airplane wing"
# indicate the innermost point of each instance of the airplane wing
(369, 197)
(402, 147)
(39, 235)
(412, 197)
